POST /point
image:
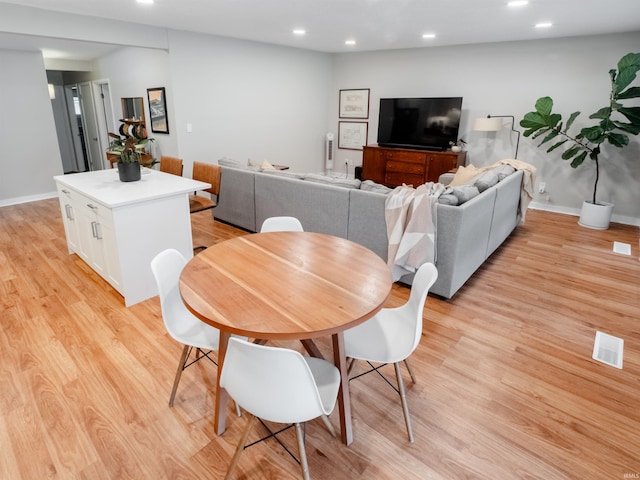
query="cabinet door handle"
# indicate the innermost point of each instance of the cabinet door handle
(69, 210)
(66, 191)
(92, 206)
(97, 230)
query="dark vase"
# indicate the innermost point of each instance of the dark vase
(129, 172)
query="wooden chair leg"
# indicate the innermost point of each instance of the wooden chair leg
(176, 381)
(329, 426)
(240, 447)
(413, 377)
(403, 399)
(303, 454)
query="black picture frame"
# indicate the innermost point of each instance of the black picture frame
(158, 110)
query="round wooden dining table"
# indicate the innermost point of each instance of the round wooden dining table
(286, 286)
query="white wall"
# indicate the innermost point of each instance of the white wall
(249, 100)
(29, 153)
(507, 79)
(130, 71)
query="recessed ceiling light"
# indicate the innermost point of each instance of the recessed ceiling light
(350, 42)
(145, 1)
(544, 25)
(517, 3)
(428, 35)
(299, 31)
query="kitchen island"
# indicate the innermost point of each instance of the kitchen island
(118, 227)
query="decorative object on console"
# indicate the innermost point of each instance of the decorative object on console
(610, 128)
(457, 146)
(352, 135)
(354, 103)
(493, 123)
(158, 110)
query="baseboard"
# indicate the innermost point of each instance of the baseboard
(576, 213)
(26, 199)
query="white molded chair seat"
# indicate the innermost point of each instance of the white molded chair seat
(278, 385)
(179, 322)
(393, 334)
(281, 224)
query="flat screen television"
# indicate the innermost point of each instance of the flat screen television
(422, 123)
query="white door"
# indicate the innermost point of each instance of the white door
(90, 127)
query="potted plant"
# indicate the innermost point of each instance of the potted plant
(614, 123)
(457, 146)
(129, 150)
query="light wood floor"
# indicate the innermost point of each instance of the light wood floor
(506, 385)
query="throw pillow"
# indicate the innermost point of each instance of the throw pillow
(266, 165)
(486, 180)
(504, 171)
(448, 199)
(464, 193)
(464, 175)
(371, 186)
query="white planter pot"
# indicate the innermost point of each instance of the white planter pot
(596, 216)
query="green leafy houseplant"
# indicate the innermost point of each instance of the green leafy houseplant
(129, 149)
(611, 126)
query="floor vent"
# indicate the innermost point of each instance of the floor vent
(608, 349)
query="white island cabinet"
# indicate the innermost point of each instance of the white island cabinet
(118, 227)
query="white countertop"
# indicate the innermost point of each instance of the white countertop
(105, 187)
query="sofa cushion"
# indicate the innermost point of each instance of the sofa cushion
(448, 199)
(371, 186)
(229, 162)
(504, 171)
(486, 180)
(285, 173)
(464, 193)
(338, 182)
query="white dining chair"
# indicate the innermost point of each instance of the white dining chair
(393, 334)
(281, 224)
(278, 385)
(179, 322)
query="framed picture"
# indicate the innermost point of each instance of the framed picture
(158, 110)
(352, 135)
(354, 103)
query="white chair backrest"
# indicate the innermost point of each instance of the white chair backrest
(166, 268)
(423, 280)
(281, 224)
(274, 384)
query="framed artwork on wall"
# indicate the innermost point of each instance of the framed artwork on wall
(158, 110)
(352, 135)
(354, 103)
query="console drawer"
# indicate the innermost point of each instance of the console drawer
(406, 167)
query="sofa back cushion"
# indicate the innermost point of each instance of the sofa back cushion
(320, 208)
(236, 202)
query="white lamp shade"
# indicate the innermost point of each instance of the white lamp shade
(490, 124)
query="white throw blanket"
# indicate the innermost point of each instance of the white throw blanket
(411, 227)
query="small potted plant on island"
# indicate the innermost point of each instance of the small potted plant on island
(129, 150)
(615, 121)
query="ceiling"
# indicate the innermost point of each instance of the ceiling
(373, 24)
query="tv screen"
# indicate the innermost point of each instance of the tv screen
(422, 123)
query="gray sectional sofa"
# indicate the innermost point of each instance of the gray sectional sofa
(466, 234)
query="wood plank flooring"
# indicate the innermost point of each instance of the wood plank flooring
(506, 385)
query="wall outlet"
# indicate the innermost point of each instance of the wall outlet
(542, 187)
